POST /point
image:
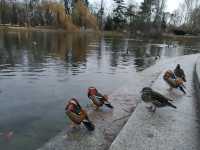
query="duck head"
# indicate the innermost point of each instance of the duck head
(146, 94)
(92, 91)
(146, 90)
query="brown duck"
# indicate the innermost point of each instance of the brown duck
(173, 81)
(78, 115)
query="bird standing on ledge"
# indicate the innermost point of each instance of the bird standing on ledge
(173, 81)
(78, 115)
(97, 98)
(158, 100)
(180, 73)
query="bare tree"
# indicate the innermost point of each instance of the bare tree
(101, 15)
(189, 7)
(159, 19)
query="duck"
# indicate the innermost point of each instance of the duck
(173, 81)
(97, 98)
(157, 57)
(78, 115)
(157, 100)
(34, 43)
(179, 72)
(169, 74)
(7, 135)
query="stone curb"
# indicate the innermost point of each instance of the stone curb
(196, 77)
(167, 129)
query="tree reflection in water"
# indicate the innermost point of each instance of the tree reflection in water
(39, 71)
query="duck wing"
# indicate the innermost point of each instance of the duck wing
(160, 100)
(157, 96)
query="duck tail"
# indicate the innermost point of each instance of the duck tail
(108, 105)
(171, 105)
(182, 89)
(89, 125)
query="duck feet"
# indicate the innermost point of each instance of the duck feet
(73, 125)
(181, 88)
(151, 108)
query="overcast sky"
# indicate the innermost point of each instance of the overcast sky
(171, 4)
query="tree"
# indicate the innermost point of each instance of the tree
(189, 6)
(14, 19)
(67, 4)
(132, 16)
(176, 18)
(119, 14)
(159, 20)
(146, 10)
(108, 23)
(6, 11)
(100, 15)
(86, 3)
(195, 20)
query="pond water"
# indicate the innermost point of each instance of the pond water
(40, 71)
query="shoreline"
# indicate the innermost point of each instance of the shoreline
(20, 28)
(108, 123)
(56, 30)
(167, 128)
(196, 77)
(107, 33)
(42, 29)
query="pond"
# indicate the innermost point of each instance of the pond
(40, 71)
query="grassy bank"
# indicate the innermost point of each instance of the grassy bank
(41, 29)
(53, 29)
(9, 27)
(37, 28)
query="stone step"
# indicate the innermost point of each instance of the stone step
(167, 128)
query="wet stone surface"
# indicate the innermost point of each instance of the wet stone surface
(197, 77)
(40, 71)
(108, 122)
(167, 128)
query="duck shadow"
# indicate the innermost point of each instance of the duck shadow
(175, 94)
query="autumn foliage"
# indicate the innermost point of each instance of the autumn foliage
(81, 17)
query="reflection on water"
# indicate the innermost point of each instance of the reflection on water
(40, 71)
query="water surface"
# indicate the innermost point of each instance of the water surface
(40, 71)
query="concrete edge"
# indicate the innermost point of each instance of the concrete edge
(196, 80)
(196, 77)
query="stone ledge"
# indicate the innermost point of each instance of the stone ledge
(197, 77)
(167, 129)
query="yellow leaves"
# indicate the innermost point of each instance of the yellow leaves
(65, 21)
(88, 20)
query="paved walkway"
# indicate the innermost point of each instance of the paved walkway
(197, 78)
(108, 123)
(167, 129)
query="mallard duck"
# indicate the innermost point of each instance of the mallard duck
(158, 100)
(97, 98)
(34, 43)
(169, 74)
(78, 115)
(180, 73)
(173, 81)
